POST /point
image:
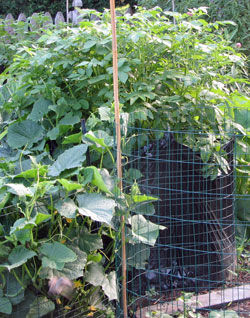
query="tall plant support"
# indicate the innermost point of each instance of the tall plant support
(173, 9)
(67, 11)
(118, 141)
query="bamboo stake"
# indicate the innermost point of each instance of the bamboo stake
(173, 9)
(119, 160)
(67, 11)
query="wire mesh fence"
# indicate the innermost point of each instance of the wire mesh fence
(190, 215)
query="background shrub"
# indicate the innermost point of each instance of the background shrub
(235, 10)
(53, 6)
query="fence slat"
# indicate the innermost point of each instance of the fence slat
(47, 23)
(8, 21)
(77, 3)
(33, 23)
(59, 18)
(75, 15)
(21, 17)
(23, 28)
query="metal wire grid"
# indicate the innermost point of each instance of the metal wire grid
(197, 251)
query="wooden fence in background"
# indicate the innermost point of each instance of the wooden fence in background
(72, 16)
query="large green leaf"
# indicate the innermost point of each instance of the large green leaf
(24, 306)
(109, 286)
(73, 139)
(69, 185)
(96, 206)
(4, 251)
(70, 158)
(58, 252)
(74, 270)
(89, 242)
(71, 270)
(24, 223)
(69, 119)
(41, 217)
(144, 231)
(107, 178)
(24, 133)
(32, 173)
(14, 290)
(5, 305)
(97, 277)
(40, 307)
(40, 108)
(19, 189)
(97, 179)
(144, 208)
(89, 44)
(52, 263)
(18, 256)
(100, 138)
(67, 208)
(23, 235)
(137, 255)
(242, 116)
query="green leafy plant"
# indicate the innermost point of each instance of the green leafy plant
(58, 191)
(238, 11)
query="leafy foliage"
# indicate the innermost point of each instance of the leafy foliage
(237, 11)
(179, 77)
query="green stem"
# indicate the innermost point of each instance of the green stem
(67, 85)
(111, 156)
(19, 281)
(50, 121)
(3, 280)
(31, 277)
(52, 215)
(69, 228)
(101, 162)
(100, 230)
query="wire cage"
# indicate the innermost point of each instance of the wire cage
(196, 263)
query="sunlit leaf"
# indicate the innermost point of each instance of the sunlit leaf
(71, 158)
(67, 208)
(97, 207)
(97, 277)
(18, 256)
(144, 231)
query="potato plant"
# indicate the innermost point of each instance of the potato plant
(58, 191)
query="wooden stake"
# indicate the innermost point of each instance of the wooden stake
(119, 160)
(67, 11)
